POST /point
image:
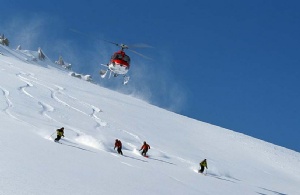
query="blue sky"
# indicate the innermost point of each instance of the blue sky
(234, 64)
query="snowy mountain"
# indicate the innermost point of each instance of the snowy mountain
(37, 98)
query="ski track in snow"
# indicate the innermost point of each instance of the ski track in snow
(132, 135)
(45, 107)
(22, 88)
(8, 102)
(10, 105)
(8, 63)
(54, 95)
(127, 164)
(95, 110)
(6, 94)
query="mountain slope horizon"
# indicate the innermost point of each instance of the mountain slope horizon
(38, 98)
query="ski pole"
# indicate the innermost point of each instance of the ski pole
(51, 134)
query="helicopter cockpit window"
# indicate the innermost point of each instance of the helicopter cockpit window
(116, 56)
(126, 58)
(119, 56)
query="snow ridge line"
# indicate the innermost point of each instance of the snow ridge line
(16, 55)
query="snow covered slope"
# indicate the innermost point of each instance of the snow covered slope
(37, 98)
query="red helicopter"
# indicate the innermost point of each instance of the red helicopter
(119, 63)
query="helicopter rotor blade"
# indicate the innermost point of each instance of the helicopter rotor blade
(111, 42)
(140, 54)
(79, 32)
(123, 46)
(84, 34)
(140, 45)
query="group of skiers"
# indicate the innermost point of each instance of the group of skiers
(145, 147)
(118, 144)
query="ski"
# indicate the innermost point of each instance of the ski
(146, 156)
(103, 73)
(126, 79)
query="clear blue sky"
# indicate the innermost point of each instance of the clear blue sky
(235, 64)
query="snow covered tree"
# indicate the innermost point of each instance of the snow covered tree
(62, 63)
(41, 54)
(4, 40)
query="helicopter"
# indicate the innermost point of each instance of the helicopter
(119, 63)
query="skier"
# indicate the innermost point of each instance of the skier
(202, 165)
(145, 148)
(60, 133)
(118, 145)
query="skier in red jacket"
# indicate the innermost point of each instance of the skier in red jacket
(145, 148)
(118, 145)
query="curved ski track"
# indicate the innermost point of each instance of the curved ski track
(53, 94)
(8, 102)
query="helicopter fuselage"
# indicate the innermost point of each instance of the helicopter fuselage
(118, 68)
(119, 63)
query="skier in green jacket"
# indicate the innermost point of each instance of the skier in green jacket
(60, 133)
(202, 165)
